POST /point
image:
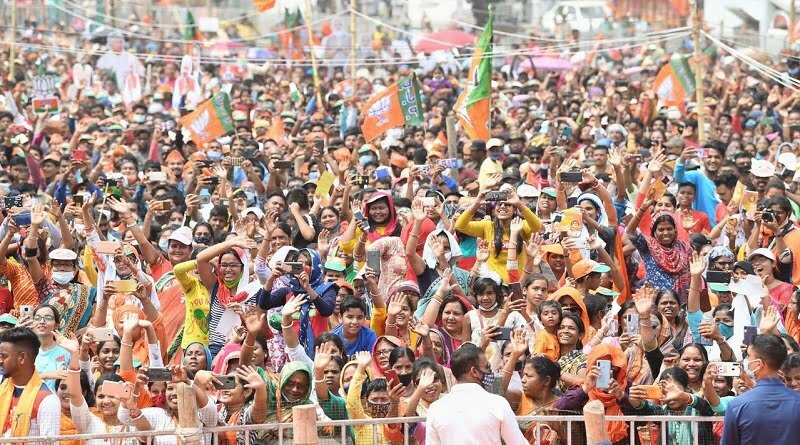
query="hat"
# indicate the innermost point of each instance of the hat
(255, 211)
(491, 143)
(515, 134)
(719, 287)
(511, 173)
(619, 128)
(549, 191)
(336, 263)
(398, 160)
(434, 154)
(606, 292)
(115, 127)
(556, 248)
(182, 235)
(762, 169)
(366, 148)
(8, 319)
(406, 285)
(605, 142)
(585, 267)
(310, 182)
(528, 191)
(63, 255)
(762, 251)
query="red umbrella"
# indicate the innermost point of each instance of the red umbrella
(444, 40)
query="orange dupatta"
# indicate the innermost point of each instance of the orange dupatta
(604, 351)
(20, 423)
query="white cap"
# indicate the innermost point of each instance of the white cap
(762, 169)
(63, 255)
(494, 142)
(255, 211)
(528, 191)
(182, 235)
(788, 160)
(762, 251)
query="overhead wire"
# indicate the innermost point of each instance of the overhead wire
(768, 72)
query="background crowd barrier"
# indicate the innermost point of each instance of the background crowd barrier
(335, 432)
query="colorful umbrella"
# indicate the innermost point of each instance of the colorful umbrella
(443, 40)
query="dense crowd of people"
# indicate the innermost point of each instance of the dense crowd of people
(593, 248)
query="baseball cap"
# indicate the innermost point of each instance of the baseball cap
(494, 142)
(336, 264)
(606, 292)
(585, 267)
(182, 235)
(527, 191)
(719, 287)
(63, 255)
(549, 191)
(762, 251)
(8, 319)
(762, 169)
(556, 248)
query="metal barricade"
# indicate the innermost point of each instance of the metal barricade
(210, 436)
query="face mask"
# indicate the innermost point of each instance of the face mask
(405, 379)
(6, 187)
(491, 308)
(139, 118)
(448, 256)
(746, 364)
(495, 156)
(63, 277)
(160, 400)
(163, 244)
(726, 330)
(251, 196)
(363, 160)
(378, 410)
(313, 175)
(202, 239)
(213, 155)
(488, 380)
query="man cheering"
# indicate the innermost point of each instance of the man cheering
(27, 407)
(750, 418)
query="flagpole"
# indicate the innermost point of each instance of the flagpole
(698, 74)
(353, 42)
(13, 40)
(313, 55)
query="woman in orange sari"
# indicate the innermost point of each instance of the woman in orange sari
(67, 425)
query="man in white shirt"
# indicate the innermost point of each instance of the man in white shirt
(469, 414)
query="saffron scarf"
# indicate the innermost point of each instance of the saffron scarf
(21, 422)
(604, 351)
(673, 259)
(390, 226)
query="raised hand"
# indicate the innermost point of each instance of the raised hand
(69, 343)
(130, 322)
(420, 327)
(293, 305)
(37, 215)
(445, 285)
(250, 376)
(519, 342)
(436, 245)
(698, 264)
(769, 320)
(516, 226)
(395, 306)
(255, 319)
(418, 210)
(363, 358)
(427, 377)
(482, 254)
(323, 355)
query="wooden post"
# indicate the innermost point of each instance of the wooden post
(698, 74)
(187, 413)
(314, 72)
(452, 143)
(353, 43)
(13, 51)
(594, 414)
(304, 424)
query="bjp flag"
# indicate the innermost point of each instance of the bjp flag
(399, 104)
(263, 5)
(674, 83)
(210, 120)
(472, 106)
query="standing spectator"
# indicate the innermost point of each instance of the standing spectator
(469, 414)
(750, 417)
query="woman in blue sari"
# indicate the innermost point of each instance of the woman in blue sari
(322, 295)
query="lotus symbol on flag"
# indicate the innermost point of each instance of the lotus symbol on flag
(380, 110)
(199, 125)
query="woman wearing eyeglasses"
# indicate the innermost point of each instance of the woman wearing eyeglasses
(51, 362)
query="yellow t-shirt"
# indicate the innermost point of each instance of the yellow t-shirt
(197, 302)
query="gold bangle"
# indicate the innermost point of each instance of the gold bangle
(244, 344)
(524, 270)
(291, 326)
(130, 345)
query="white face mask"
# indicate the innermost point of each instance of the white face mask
(79, 228)
(61, 277)
(163, 244)
(448, 256)
(746, 364)
(139, 118)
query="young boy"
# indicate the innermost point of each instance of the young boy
(354, 334)
(546, 341)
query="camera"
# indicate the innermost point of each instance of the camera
(768, 216)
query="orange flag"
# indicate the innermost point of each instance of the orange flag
(210, 120)
(399, 104)
(263, 5)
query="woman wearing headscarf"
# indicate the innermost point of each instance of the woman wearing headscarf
(321, 295)
(665, 257)
(577, 397)
(571, 300)
(293, 388)
(230, 284)
(380, 220)
(264, 271)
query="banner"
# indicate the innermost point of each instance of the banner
(399, 104)
(210, 120)
(472, 106)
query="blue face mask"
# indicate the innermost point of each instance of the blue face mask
(313, 175)
(495, 156)
(725, 330)
(364, 159)
(213, 155)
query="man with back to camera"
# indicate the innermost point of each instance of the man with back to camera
(751, 417)
(469, 414)
(27, 407)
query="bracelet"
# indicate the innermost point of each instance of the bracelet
(524, 270)
(290, 326)
(322, 380)
(413, 236)
(438, 300)
(244, 343)
(74, 370)
(137, 417)
(506, 371)
(510, 245)
(391, 325)
(130, 345)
